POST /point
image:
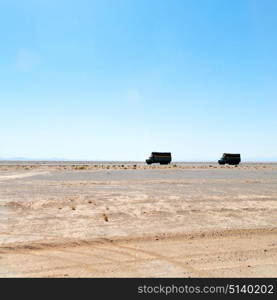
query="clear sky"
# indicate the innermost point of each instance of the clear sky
(115, 80)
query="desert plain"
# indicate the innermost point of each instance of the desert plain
(127, 219)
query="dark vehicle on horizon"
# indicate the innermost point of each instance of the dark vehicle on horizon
(230, 158)
(163, 158)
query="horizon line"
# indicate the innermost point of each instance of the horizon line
(116, 160)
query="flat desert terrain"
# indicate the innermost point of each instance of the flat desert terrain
(125, 219)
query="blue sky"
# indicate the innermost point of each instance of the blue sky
(115, 80)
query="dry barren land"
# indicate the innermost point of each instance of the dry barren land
(116, 219)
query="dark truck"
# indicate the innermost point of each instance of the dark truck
(229, 158)
(163, 158)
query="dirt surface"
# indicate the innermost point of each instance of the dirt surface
(127, 219)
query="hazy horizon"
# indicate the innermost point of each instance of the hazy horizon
(25, 159)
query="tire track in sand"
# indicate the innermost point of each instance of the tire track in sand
(157, 256)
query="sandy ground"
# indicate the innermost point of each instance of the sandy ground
(131, 220)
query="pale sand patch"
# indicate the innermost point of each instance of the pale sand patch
(21, 175)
